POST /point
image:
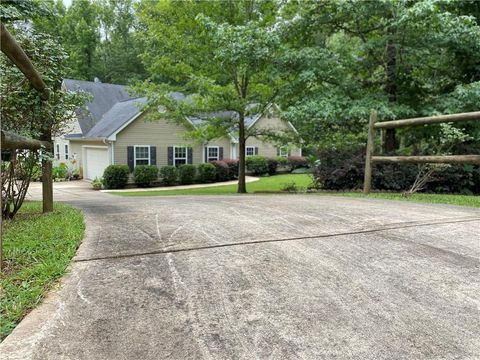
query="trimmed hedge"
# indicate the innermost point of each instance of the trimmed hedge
(206, 173)
(115, 176)
(145, 174)
(232, 168)
(256, 164)
(186, 174)
(168, 175)
(222, 170)
(272, 165)
(296, 162)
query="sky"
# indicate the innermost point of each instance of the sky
(67, 3)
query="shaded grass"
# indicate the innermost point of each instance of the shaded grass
(37, 251)
(277, 182)
(463, 200)
(269, 183)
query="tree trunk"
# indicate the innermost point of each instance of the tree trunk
(242, 189)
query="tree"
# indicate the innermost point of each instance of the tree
(25, 113)
(223, 53)
(402, 58)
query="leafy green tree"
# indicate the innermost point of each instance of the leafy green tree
(402, 58)
(222, 52)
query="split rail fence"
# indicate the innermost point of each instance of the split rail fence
(371, 159)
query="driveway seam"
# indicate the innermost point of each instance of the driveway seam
(253, 242)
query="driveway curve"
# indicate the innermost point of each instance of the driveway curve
(266, 276)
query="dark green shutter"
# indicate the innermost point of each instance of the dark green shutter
(170, 155)
(130, 158)
(189, 155)
(256, 150)
(153, 155)
(220, 153)
(206, 154)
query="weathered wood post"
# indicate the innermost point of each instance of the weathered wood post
(367, 182)
(47, 181)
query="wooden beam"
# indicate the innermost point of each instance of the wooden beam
(367, 181)
(447, 159)
(428, 120)
(14, 141)
(15, 53)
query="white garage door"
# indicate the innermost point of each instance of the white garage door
(96, 160)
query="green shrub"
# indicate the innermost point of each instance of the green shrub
(206, 173)
(232, 168)
(289, 187)
(97, 183)
(37, 173)
(282, 160)
(186, 174)
(272, 165)
(222, 170)
(115, 176)
(60, 171)
(168, 175)
(145, 174)
(296, 162)
(256, 164)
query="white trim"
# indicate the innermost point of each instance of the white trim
(233, 151)
(180, 158)
(113, 137)
(208, 153)
(284, 148)
(135, 154)
(249, 147)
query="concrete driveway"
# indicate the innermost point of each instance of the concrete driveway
(257, 277)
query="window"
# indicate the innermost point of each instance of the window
(283, 151)
(179, 155)
(57, 155)
(66, 151)
(142, 155)
(212, 153)
(250, 150)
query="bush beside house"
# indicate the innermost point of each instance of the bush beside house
(145, 175)
(168, 175)
(115, 176)
(206, 173)
(187, 174)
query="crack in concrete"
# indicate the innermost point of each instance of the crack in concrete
(253, 242)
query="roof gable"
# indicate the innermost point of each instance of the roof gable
(105, 96)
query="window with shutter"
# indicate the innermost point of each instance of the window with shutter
(249, 150)
(180, 155)
(212, 153)
(141, 155)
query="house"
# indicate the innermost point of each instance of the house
(113, 130)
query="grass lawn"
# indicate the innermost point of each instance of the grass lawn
(277, 182)
(37, 251)
(269, 183)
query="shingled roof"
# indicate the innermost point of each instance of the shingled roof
(105, 96)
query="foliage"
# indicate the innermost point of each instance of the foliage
(144, 175)
(225, 58)
(15, 179)
(168, 175)
(222, 170)
(289, 187)
(187, 174)
(232, 168)
(206, 173)
(404, 59)
(37, 249)
(115, 176)
(60, 171)
(97, 183)
(272, 165)
(282, 161)
(296, 162)
(257, 165)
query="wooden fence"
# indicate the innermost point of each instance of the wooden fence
(370, 158)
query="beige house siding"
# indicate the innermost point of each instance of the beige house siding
(268, 149)
(161, 134)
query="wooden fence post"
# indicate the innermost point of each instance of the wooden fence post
(367, 182)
